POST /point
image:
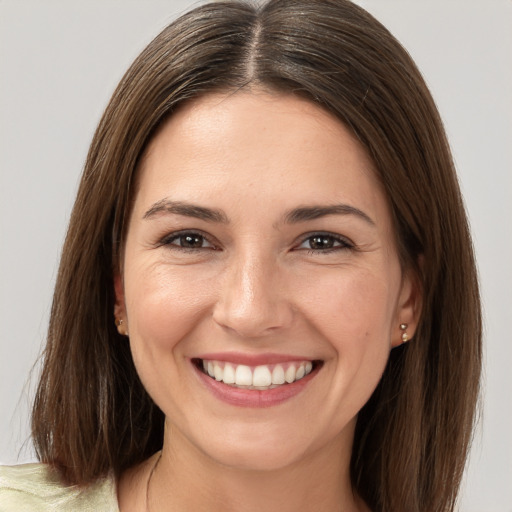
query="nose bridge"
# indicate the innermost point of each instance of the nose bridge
(253, 301)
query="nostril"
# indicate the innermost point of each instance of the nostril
(252, 304)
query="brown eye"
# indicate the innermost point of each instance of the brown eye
(187, 240)
(325, 242)
(191, 241)
(321, 242)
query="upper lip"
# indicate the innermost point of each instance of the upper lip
(252, 359)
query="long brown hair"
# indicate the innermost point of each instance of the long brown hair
(92, 415)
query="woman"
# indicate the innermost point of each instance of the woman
(267, 295)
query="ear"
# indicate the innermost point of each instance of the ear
(120, 306)
(409, 308)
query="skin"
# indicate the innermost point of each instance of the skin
(255, 286)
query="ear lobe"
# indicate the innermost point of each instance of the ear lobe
(409, 309)
(119, 306)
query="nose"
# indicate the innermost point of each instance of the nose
(252, 301)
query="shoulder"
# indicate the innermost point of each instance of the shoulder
(36, 487)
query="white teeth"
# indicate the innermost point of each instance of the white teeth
(278, 374)
(289, 375)
(217, 372)
(243, 375)
(229, 374)
(261, 376)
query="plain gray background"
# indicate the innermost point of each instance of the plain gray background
(59, 64)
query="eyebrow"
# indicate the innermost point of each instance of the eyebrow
(301, 214)
(307, 213)
(187, 210)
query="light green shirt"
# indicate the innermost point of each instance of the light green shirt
(36, 488)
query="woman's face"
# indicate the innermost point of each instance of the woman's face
(261, 249)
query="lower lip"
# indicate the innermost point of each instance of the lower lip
(254, 397)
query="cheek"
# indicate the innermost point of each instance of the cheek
(162, 308)
(355, 320)
(361, 340)
(352, 306)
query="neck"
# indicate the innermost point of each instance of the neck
(188, 479)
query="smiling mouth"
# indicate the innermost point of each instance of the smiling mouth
(261, 377)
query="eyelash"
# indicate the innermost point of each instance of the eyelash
(169, 239)
(343, 243)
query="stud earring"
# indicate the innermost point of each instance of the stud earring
(120, 329)
(405, 336)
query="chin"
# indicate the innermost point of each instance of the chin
(259, 457)
(267, 448)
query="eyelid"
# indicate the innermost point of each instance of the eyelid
(345, 243)
(167, 240)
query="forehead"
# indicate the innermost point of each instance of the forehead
(257, 144)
